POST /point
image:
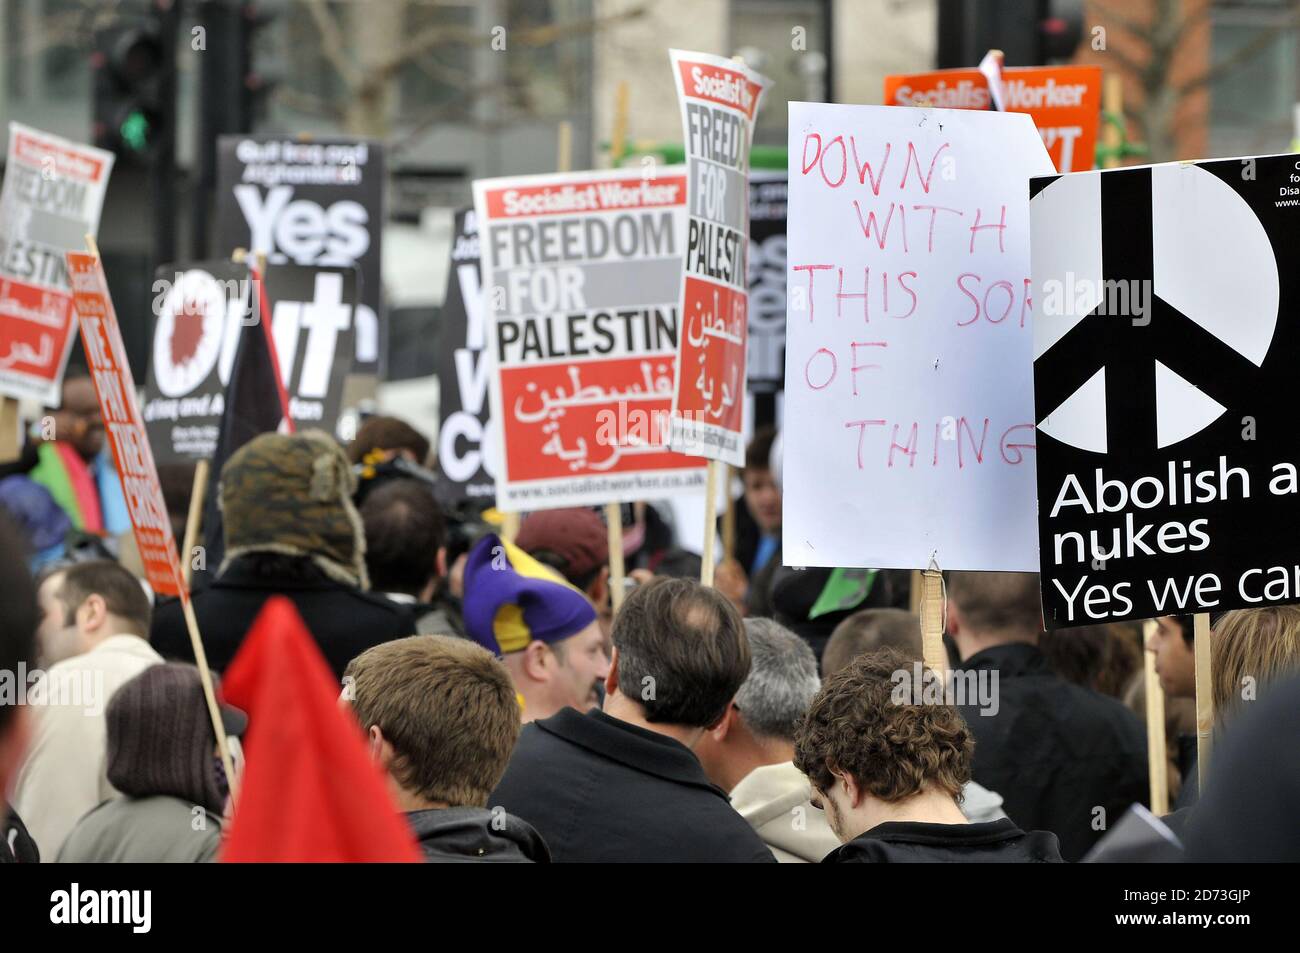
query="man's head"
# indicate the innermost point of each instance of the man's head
(291, 494)
(759, 726)
(406, 539)
(55, 639)
(440, 715)
(992, 608)
(762, 495)
(864, 752)
(1175, 657)
(680, 653)
(544, 629)
(18, 617)
(78, 420)
(575, 543)
(1251, 648)
(382, 438)
(91, 602)
(869, 631)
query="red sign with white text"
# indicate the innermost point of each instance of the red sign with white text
(53, 193)
(115, 388)
(719, 99)
(581, 273)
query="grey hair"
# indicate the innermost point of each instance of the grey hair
(782, 680)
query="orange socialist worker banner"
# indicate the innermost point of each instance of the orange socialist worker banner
(115, 388)
(1064, 102)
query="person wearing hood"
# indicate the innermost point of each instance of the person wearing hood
(163, 758)
(441, 718)
(290, 529)
(889, 774)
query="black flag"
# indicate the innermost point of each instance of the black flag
(255, 404)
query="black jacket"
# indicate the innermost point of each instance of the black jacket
(914, 842)
(474, 834)
(344, 621)
(1247, 812)
(16, 845)
(599, 789)
(1056, 751)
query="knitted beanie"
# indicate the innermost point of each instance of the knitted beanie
(160, 738)
(292, 494)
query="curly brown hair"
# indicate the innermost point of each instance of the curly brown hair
(892, 749)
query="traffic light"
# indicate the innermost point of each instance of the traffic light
(1029, 32)
(132, 115)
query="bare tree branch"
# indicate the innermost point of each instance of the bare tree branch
(332, 44)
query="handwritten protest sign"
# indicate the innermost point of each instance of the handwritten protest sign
(719, 100)
(115, 388)
(908, 347)
(581, 274)
(1164, 378)
(1063, 101)
(53, 194)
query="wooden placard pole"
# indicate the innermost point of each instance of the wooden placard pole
(1112, 102)
(1157, 756)
(710, 519)
(614, 522)
(200, 656)
(932, 611)
(1204, 695)
(194, 520)
(10, 444)
(917, 590)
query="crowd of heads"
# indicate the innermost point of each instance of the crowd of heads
(775, 668)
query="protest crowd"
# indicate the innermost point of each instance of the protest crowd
(515, 718)
(936, 589)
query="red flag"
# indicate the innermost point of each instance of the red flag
(311, 791)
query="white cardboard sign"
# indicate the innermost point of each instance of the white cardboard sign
(909, 393)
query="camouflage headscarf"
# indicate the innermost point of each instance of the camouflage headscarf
(293, 495)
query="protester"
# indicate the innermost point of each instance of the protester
(747, 577)
(622, 783)
(163, 758)
(1173, 645)
(889, 775)
(441, 719)
(872, 630)
(1248, 810)
(55, 639)
(386, 449)
(869, 631)
(43, 522)
(544, 629)
(1101, 657)
(290, 529)
(1065, 758)
(1251, 649)
(65, 774)
(406, 554)
(77, 468)
(18, 616)
(575, 543)
(811, 602)
(750, 752)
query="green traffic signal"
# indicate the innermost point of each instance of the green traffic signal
(135, 130)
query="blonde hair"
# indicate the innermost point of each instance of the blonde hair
(1262, 644)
